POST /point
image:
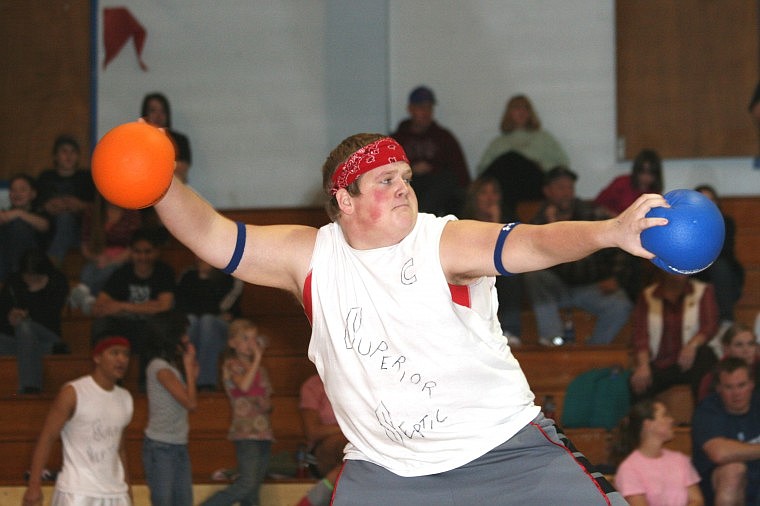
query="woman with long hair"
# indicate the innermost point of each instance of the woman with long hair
(171, 374)
(519, 157)
(645, 177)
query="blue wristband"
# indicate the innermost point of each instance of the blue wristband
(239, 248)
(500, 246)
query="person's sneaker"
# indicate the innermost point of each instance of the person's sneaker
(81, 298)
(554, 341)
(228, 475)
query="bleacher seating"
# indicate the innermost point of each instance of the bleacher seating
(281, 318)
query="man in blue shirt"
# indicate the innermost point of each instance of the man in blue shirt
(726, 437)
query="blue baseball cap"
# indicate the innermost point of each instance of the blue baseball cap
(421, 95)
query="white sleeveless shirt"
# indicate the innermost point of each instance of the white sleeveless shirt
(419, 376)
(91, 438)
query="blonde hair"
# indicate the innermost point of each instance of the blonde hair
(508, 124)
(236, 329)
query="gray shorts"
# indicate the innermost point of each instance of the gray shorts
(537, 466)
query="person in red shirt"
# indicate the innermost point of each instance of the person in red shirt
(645, 177)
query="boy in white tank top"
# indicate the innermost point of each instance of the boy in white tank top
(89, 414)
(405, 335)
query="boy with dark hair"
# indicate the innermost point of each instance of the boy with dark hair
(89, 415)
(135, 293)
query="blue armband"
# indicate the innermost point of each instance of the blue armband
(500, 246)
(239, 248)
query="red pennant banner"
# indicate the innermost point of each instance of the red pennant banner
(119, 25)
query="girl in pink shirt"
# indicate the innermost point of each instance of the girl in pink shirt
(652, 475)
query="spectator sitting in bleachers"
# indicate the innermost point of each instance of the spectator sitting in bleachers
(483, 203)
(726, 273)
(211, 299)
(590, 283)
(135, 293)
(65, 191)
(31, 302)
(106, 232)
(23, 226)
(737, 341)
(651, 474)
(155, 109)
(725, 433)
(673, 322)
(325, 440)
(520, 155)
(645, 177)
(439, 168)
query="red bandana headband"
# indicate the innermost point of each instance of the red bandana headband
(376, 154)
(108, 342)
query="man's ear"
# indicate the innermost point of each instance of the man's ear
(345, 201)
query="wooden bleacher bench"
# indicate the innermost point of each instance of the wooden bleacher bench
(550, 370)
(281, 318)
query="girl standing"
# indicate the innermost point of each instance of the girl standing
(247, 385)
(171, 374)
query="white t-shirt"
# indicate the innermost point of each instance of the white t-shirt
(91, 438)
(167, 418)
(418, 373)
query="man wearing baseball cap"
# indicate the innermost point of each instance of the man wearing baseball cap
(591, 283)
(89, 414)
(439, 170)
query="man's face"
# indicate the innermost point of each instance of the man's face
(560, 192)
(387, 206)
(66, 157)
(421, 115)
(144, 254)
(113, 362)
(735, 390)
